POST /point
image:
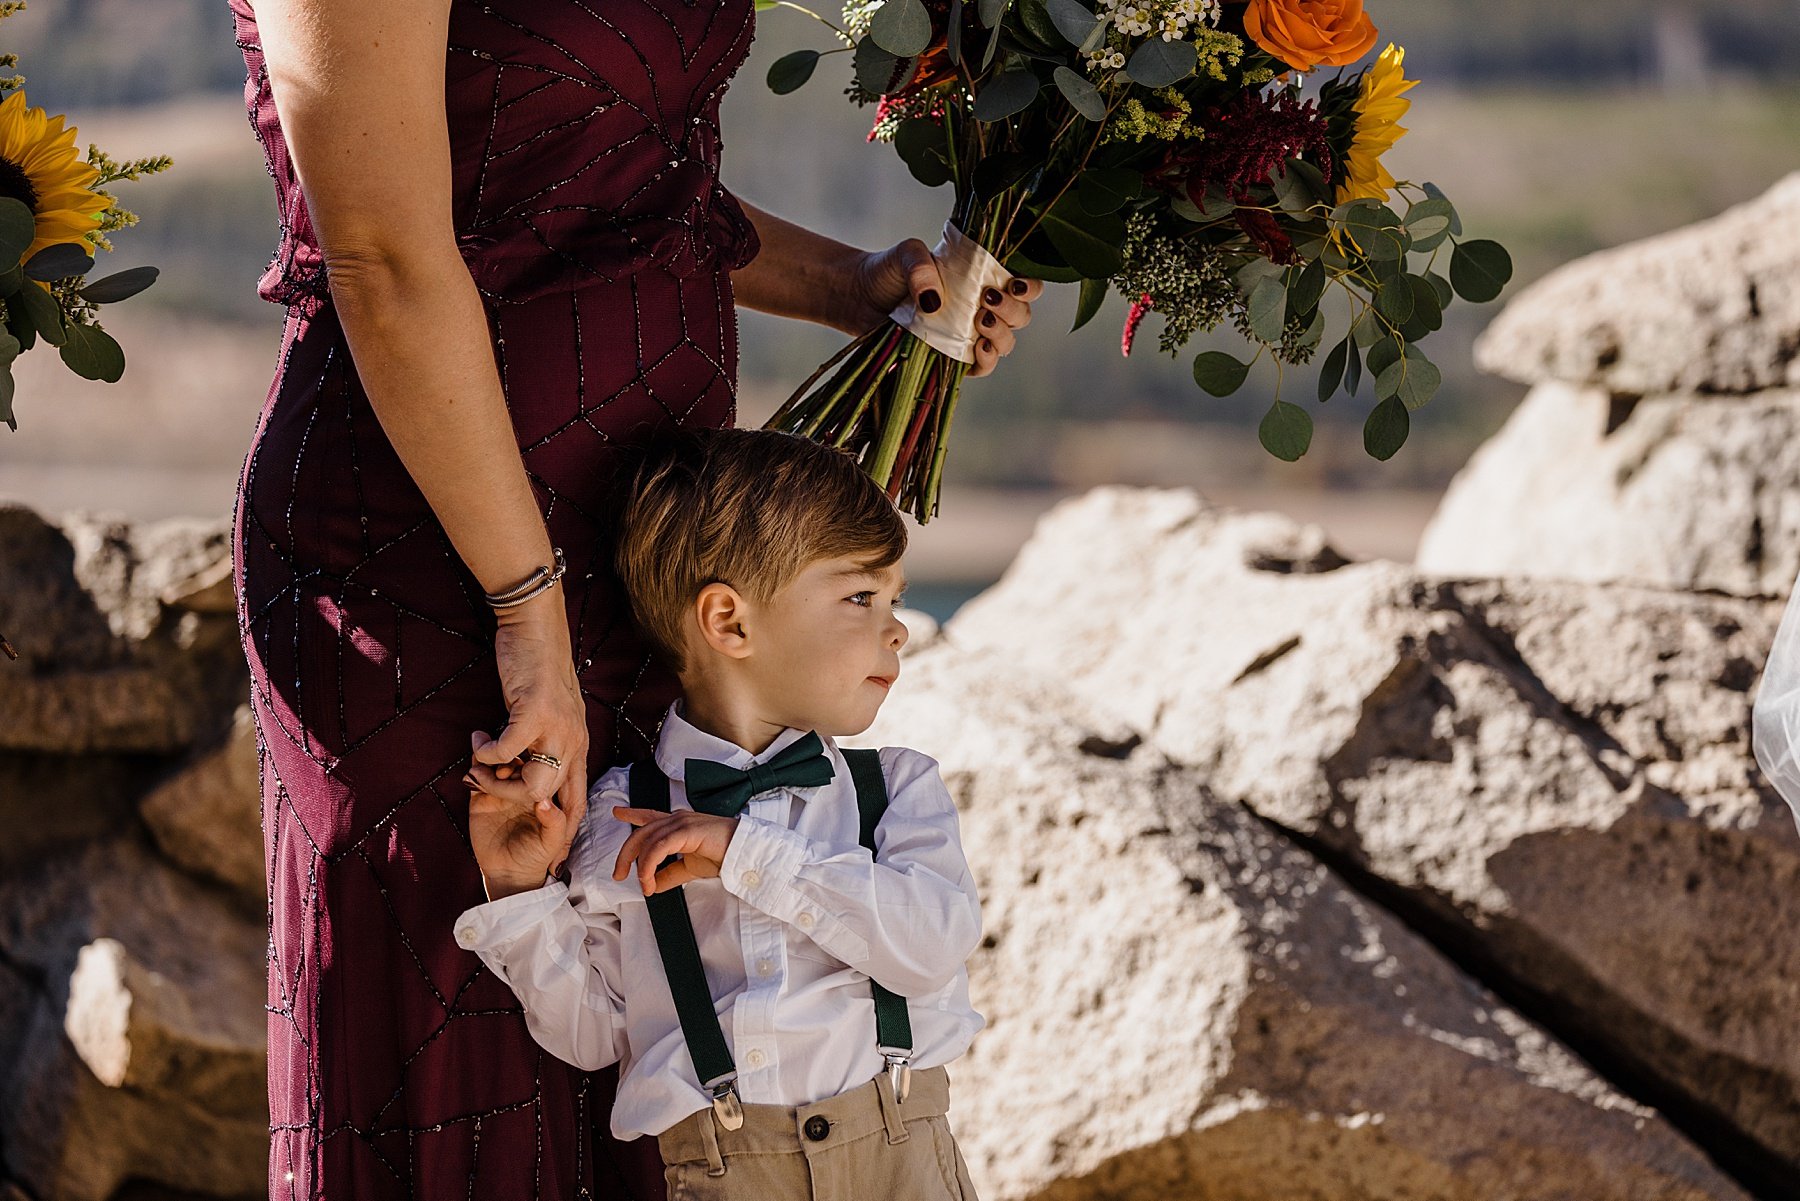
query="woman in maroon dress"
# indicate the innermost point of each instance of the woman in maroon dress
(531, 260)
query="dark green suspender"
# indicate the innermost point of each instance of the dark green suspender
(687, 977)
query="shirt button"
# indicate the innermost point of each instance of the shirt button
(756, 1058)
(804, 921)
(817, 1128)
(465, 935)
(750, 878)
(764, 967)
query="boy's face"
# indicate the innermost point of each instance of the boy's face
(826, 648)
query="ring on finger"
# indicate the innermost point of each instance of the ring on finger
(549, 761)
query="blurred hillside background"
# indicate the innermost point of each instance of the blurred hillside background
(1556, 128)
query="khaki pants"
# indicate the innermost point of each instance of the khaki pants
(860, 1145)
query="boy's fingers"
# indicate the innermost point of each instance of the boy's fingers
(637, 817)
(673, 876)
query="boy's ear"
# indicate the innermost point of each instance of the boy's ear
(722, 613)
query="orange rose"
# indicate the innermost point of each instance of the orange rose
(1308, 33)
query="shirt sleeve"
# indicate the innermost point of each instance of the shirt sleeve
(908, 916)
(559, 949)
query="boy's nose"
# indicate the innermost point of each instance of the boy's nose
(899, 635)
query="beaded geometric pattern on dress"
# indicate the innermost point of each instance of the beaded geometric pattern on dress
(643, 327)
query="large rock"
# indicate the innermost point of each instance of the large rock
(1557, 775)
(1699, 493)
(207, 816)
(124, 644)
(146, 1049)
(1181, 1003)
(1711, 307)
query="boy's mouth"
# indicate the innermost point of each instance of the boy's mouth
(884, 681)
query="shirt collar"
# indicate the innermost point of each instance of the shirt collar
(681, 740)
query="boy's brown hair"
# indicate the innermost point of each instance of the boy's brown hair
(746, 507)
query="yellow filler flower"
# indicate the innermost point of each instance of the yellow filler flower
(1378, 109)
(39, 166)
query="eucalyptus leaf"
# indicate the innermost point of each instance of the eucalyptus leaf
(1107, 189)
(1382, 354)
(1286, 431)
(1005, 94)
(1157, 64)
(987, 56)
(1428, 310)
(874, 67)
(1352, 368)
(988, 12)
(1367, 329)
(1267, 310)
(1415, 379)
(1313, 333)
(6, 397)
(1083, 96)
(1074, 20)
(1331, 375)
(1384, 432)
(996, 172)
(11, 281)
(1296, 189)
(953, 33)
(901, 27)
(1186, 209)
(790, 71)
(919, 141)
(1093, 292)
(1428, 222)
(1219, 373)
(1088, 242)
(60, 261)
(1306, 289)
(1254, 271)
(18, 227)
(1379, 232)
(1034, 19)
(45, 315)
(1021, 263)
(1437, 193)
(1394, 300)
(1441, 286)
(120, 285)
(91, 353)
(1479, 269)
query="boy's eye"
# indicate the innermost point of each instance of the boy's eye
(857, 598)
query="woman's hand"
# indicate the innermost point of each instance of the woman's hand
(877, 282)
(545, 713)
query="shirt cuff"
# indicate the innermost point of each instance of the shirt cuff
(482, 927)
(760, 863)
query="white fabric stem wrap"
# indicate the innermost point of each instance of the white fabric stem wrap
(967, 268)
(1775, 721)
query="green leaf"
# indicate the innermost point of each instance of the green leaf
(1267, 309)
(920, 143)
(1378, 231)
(91, 353)
(1437, 193)
(1082, 96)
(1005, 94)
(1186, 209)
(6, 398)
(1286, 431)
(1306, 289)
(1074, 20)
(1088, 242)
(1157, 64)
(18, 227)
(791, 70)
(1382, 354)
(987, 56)
(988, 12)
(1299, 187)
(1107, 189)
(874, 67)
(121, 285)
(1440, 285)
(1479, 269)
(1314, 331)
(901, 27)
(1367, 329)
(1352, 369)
(1415, 379)
(1093, 292)
(1020, 263)
(1331, 375)
(999, 171)
(1254, 271)
(1219, 373)
(1034, 17)
(41, 309)
(1394, 300)
(1384, 433)
(59, 261)
(1428, 311)
(953, 33)
(1429, 222)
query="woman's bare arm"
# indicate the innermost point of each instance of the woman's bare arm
(359, 86)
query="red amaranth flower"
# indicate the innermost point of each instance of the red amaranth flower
(1267, 234)
(1133, 319)
(1247, 139)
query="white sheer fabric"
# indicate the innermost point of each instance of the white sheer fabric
(1775, 721)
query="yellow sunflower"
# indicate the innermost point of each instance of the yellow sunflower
(39, 165)
(1378, 109)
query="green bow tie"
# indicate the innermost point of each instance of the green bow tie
(714, 787)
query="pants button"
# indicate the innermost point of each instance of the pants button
(817, 1128)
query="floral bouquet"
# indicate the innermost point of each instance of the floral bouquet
(54, 212)
(1168, 149)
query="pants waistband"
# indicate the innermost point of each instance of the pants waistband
(808, 1129)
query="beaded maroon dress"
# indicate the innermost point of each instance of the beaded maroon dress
(589, 210)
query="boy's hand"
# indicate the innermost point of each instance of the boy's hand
(515, 842)
(699, 838)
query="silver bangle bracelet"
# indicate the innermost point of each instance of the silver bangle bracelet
(538, 581)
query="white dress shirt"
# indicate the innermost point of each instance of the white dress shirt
(798, 921)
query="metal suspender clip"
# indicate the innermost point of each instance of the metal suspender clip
(726, 1107)
(899, 1065)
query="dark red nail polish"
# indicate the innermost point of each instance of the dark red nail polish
(986, 345)
(930, 301)
(1017, 287)
(991, 295)
(987, 318)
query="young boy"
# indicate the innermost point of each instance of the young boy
(781, 997)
